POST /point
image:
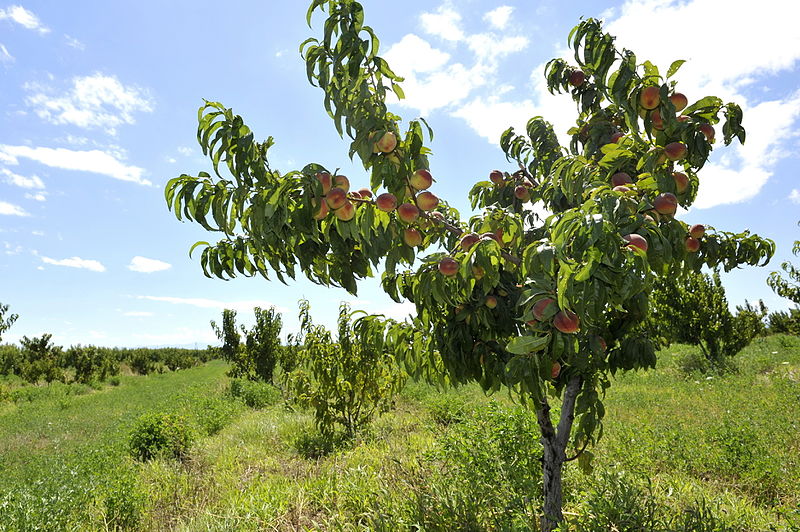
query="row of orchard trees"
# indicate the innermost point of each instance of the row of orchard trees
(39, 359)
(503, 298)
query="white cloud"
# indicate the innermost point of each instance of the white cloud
(11, 249)
(138, 314)
(145, 265)
(246, 305)
(498, 17)
(5, 55)
(37, 233)
(12, 210)
(24, 18)
(794, 196)
(95, 161)
(96, 101)
(185, 151)
(444, 23)
(21, 181)
(72, 42)
(37, 196)
(76, 262)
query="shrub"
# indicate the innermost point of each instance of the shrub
(90, 363)
(254, 394)
(255, 359)
(347, 382)
(784, 322)
(160, 434)
(213, 413)
(123, 502)
(41, 359)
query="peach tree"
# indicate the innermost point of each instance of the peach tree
(549, 307)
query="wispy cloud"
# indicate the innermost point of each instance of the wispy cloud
(36, 196)
(20, 180)
(794, 196)
(246, 305)
(498, 17)
(145, 265)
(5, 55)
(10, 209)
(76, 262)
(72, 42)
(24, 18)
(94, 161)
(96, 101)
(138, 314)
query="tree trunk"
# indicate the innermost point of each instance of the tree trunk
(555, 444)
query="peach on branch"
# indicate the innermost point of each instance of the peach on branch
(497, 177)
(342, 182)
(658, 122)
(675, 151)
(666, 203)
(365, 193)
(602, 342)
(661, 158)
(620, 178)
(681, 181)
(421, 179)
(448, 266)
(336, 198)
(478, 272)
(616, 137)
(697, 231)
(636, 241)
(387, 143)
(490, 301)
(355, 195)
(427, 201)
(408, 212)
(468, 240)
(320, 210)
(522, 193)
(577, 78)
(345, 212)
(679, 100)
(707, 130)
(555, 370)
(621, 188)
(325, 179)
(386, 202)
(541, 306)
(492, 236)
(412, 237)
(567, 322)
(650, 97)
(692, 244)
(683, 118)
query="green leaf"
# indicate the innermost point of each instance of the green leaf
(673, 68)
(522, 345)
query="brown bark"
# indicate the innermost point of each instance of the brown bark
(554, 440)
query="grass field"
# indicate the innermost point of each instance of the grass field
(680, 452)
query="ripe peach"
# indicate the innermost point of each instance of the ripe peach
(497, 177)
(468, 240)
(522, 193)
(666, 203)
(407, 212)
(492, 236)
(555, 371)
(636, 241)
(650, 97)
(427, 201)
(491, 301)
(679, 100)
(620, 178)
(658, 122)
(365, 193)
(697, 231)
(621, 188)
(345, 212)
(567, 322)
(336, 198)
(321, 210)
(540, 307)
(602, 342)
(355, 195)
(707, 130)
(683, 118)
(661, 158)
(681, 181)
(675, 151)
(692, 244)
(478, 272)
(387, 143)
(412, 237)
(577, 78)
(448, 266)
(616, 136)
(421, 179)
(341, 182)
(386, 202)
(325, 179)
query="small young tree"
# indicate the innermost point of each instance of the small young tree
(348, 381)
(232, 350)
(693, 310)
(42, 359)
(789, 286)
(255, 359)
(6, 321)
(549, 308)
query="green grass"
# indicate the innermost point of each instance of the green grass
(680, 452)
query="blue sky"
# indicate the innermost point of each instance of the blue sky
(98, 106)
